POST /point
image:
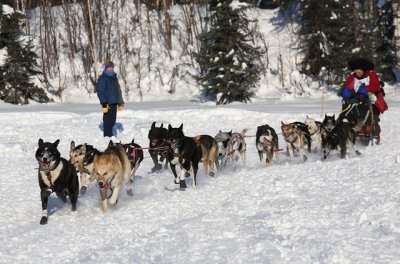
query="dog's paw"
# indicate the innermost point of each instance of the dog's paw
(156, 168)
(187, 174)
(43, 220)
(129, 192)
(211, 173)
(182, 184)
(83, 190)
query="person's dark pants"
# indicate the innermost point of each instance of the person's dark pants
(109, 120)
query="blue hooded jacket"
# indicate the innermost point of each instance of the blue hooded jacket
(108, 89)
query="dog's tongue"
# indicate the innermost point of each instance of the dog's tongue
(44, 165)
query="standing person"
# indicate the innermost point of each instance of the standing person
(110, 97)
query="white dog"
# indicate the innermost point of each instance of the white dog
(315, 133)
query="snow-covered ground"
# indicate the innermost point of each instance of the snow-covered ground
(335, 211)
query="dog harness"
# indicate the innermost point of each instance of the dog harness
(47, 172)
(107, 186)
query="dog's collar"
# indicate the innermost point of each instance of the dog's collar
(315, 131)
(176, 152)
(48, 174)
(82, 169)
(107, 185)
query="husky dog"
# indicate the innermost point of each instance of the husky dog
(232, 147)
(209, 150)
(294, 138)
(57, 175)
(315, 133)
(112, 170)
(82, 157)
(303, 127)
(266, 142)
(329, 123)
(135, 155)
(185, 153)
(158, 147)
(337, 139)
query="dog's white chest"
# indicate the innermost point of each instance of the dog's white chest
(54, 174)
(175, 161)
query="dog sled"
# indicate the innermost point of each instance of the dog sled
(364, 120)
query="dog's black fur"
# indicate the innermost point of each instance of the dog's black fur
(134, 152)
(158, 147)
(303, 127)
(267, 146)
(329, 123)
(184, 151)
(56, 174)
(338, 137)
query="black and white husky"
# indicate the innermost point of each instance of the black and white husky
(183, 152)
(266, 142)
(338, 138)
(329, 123)
(57, 175)
(231, 147)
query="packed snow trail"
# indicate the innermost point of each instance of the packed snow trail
(333, 211)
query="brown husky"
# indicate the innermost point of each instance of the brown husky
(112, 170)
(294, 138)
(209, 150)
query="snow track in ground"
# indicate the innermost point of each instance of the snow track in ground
(335, 211)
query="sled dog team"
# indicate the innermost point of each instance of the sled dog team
(115, 167)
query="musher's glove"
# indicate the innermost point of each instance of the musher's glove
(372, 98)
(120, 107)
(105, 108)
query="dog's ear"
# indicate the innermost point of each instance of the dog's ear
(333, 116)
(162, 125)
(133, 141)
(169, 127)
(55, 144)
(181, 127)
(153, 125)
(72, 146)
(110, 143)
(326, 115)
(282, 123)
(84, 148)
(40, 143)
(96, 158)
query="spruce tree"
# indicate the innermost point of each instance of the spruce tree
(228, 60)
(20, 64)
(386, 58)
(326, 37)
